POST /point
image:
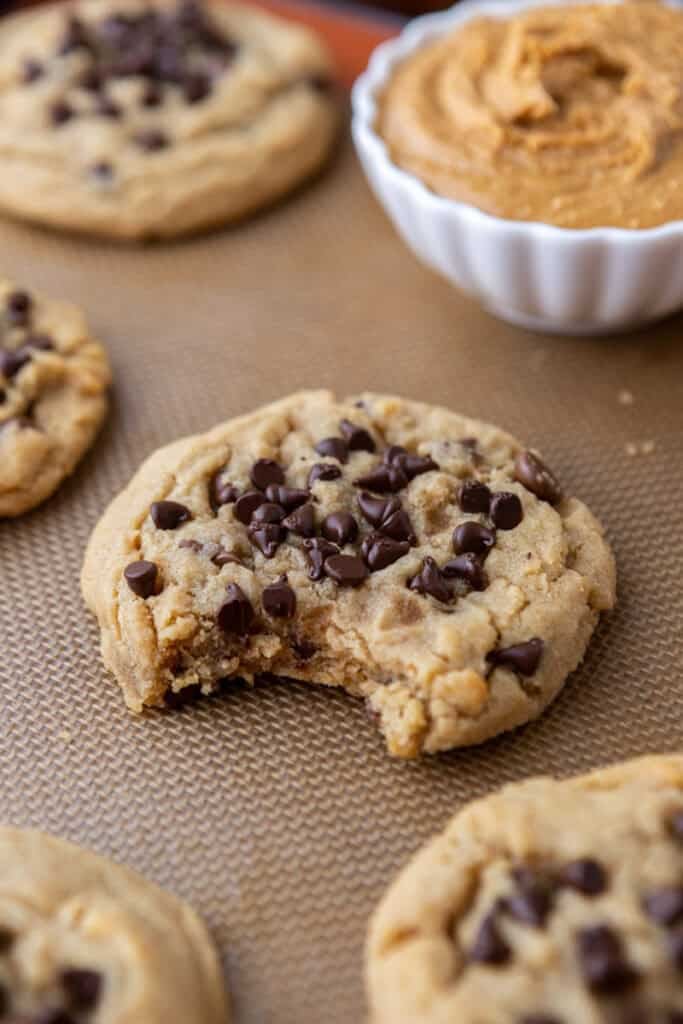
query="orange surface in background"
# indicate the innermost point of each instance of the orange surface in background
(351, 37)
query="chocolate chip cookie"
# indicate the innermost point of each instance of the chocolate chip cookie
(83, 940)
(419, 559)
(153, 118)
(547, 903)
(53, 395)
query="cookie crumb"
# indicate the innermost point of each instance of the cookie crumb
(625, 397)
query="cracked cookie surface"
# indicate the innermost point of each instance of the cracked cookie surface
(86, 941)
(53, 395)
(417, 558)
(153, 118)
(549, 902)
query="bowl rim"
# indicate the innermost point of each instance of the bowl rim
(421, 30)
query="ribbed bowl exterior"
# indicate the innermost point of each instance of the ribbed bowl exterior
(593, 281)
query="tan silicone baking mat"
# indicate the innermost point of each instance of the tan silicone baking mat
(276, 812)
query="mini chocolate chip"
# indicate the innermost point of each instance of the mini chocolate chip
(467, 567)
(334, 447)
(603, 961)
(586, 876)
(153, 95)
(12, 362)
(19, 305)
(222, 492)
(523, 658)
(169, 515)
(90, 79)
(665, 905)
(430, 581)
(346, 570)
(506, 510)
(236, 613)
(266, 471)
(3, 396)
(375, 510)
(74, 38)
(82, 987)
(474, 496)
(33, 70)
(39, 342)
(317, 550)
(489, 946)
(537, 478)
(247, 505)
(141, 577)
(279, 599)
(6, 940)
(196, 87)
(383, 480)
(268, 512)
(151, 140)
(358, 439)
(398, 526)
(301, 521)
(61, 112)
(103, 170)
(473, 537)
(267, 537)
(321, 84)
(380, 552)
(323, 471)
(289, 497)
(674, 941)
(107, 108)
(533, 900)
(340, 527)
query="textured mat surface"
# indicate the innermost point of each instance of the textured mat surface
(276, 811)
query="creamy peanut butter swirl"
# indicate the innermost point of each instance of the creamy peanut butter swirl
(569, 115)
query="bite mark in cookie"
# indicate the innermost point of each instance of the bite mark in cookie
(387, 560)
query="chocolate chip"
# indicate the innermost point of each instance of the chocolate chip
(221, 558)
(430, 581)
(317, 550)
(474, 496)
(268, 512)
(289, 497)
(334, 447)
(75, 37)
(279, 599)
(176, 699)
(222, 492)
(537, 478)
(3, 396)
(346, 570)
(340, 527)
(489, 946)
(90, 79)
(586, 876)
(19, 305)
(54, 1016)
(61, 112)
(603, 961)
(152, 95)
(266, 471)
(82, 988)
(6, 940)
(408, 464)
(303, 649)
(532, 902)
(301, 521)
(473, 537)
(267, 537)
(676, 824)
(323, 471)
(141, 577)
(375, 510)
(506, 510)
(12, 362)
(665, 905)
(151, 140)
(383, 480)
(169, 515)
(191, 545)
(39, 342)
(380, 552)
(467, 567)
(236, 613)
(523, 658)
(674, 942)
(323, 85)
(358, 439)
(539, 1018)
(103, 170)
(196, 87)
(107, 108)
(33, 70)
(398, 526)
(247, 505)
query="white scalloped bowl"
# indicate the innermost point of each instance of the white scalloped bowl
(543, 277)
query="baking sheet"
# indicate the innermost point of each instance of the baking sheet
(276, 811)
